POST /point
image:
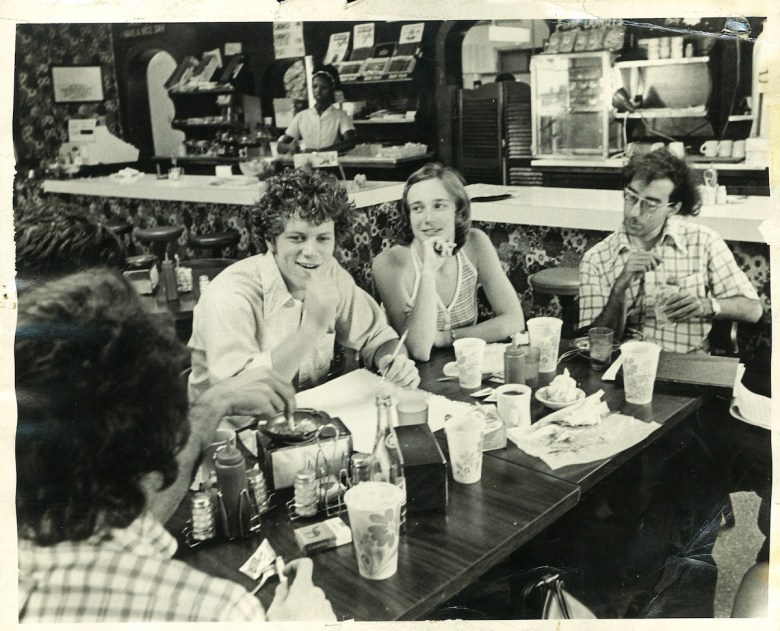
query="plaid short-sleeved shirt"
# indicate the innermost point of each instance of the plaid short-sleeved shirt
(694, 256)
(124, 576)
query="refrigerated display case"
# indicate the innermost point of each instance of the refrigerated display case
(572, 106)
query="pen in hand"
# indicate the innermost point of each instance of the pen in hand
(395, 354)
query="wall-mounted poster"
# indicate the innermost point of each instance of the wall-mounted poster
(77, 84)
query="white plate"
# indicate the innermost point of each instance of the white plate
(557, 405)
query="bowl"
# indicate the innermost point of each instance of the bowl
(541, 396)
(260, 168)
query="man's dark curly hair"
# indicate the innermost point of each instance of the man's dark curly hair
(454, 184)
(313, 196)
(101, 403)
(660, 164)
(56, 238)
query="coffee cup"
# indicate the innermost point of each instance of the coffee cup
(738, 150)
(725, 148)
(514, 404)
(709, 148)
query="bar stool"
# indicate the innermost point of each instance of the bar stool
(119, 227)
(215, 242)
(563, 282)
(159, 239)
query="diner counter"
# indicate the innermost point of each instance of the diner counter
(740, 219)
(205, 189)
(617, 163)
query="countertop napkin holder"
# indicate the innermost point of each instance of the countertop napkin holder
(425, 469)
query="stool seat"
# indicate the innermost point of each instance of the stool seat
(556, 281)
(215, 239)
(119, 228)
(159, 234)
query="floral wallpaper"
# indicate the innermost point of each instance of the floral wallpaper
(522, 250)
(41, 125)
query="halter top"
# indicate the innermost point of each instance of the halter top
(462, 310)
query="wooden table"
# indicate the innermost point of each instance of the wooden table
(441, 553)
(667, 410)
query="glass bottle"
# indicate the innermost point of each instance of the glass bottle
(387, 457)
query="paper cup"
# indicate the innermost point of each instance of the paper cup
(662, 294)
(545, 334)
(465, 435)
(374, 515)
(514, 404)
(640, 362)
(469, 356)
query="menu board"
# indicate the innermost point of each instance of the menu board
(288, 40)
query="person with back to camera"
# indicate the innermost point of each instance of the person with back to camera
(286, 308)
(106, 449)
(429, 284)
(322, 127)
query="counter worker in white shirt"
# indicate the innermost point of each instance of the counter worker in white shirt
(653, 246)
(106, 448)
(323, 127)
(286, 308)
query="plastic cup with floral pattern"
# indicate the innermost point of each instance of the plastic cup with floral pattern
(545, 334)
(374, 515)
(640, 363)
(465, 435)
(469, 356)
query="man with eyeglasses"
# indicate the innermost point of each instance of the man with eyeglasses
(655, 246)
(686, 475)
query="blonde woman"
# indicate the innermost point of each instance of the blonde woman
(429, 286)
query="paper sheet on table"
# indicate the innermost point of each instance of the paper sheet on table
(560, 446)
(351, 397)
(748, 406)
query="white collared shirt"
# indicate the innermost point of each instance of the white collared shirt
(320, 130)
(247, 311)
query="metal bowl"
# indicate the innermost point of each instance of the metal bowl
(306, 420)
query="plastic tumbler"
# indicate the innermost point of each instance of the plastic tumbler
(465, 435)
(600, 345)
(662, 294)
(545, 334)
(640, 362)
(374, 516)
(469, 356)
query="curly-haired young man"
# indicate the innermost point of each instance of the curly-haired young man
(106, 446)
(285, 309)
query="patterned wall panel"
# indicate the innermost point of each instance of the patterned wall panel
(41, 125)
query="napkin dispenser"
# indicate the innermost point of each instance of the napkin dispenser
(281, 461)
(425, 469)
(142, 273)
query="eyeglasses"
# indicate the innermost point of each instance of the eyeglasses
(646, 206)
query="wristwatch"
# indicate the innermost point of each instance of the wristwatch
(715, 306)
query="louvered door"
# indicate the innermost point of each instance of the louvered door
(495, 134)
(480, 155)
